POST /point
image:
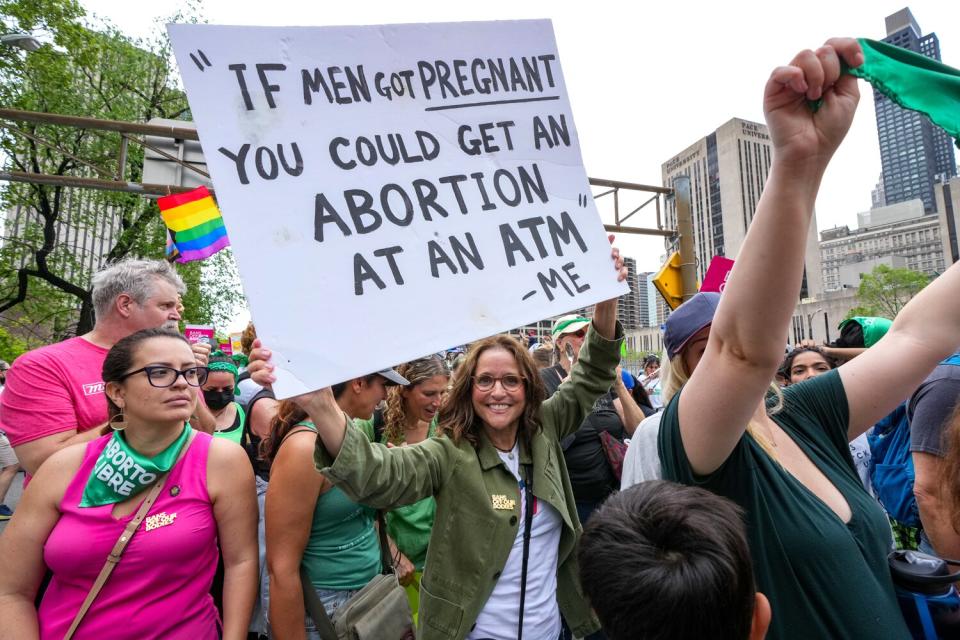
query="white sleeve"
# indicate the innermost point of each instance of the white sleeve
(642, 462)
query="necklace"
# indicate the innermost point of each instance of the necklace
(216, 419)
(509, 451)
(767, 443)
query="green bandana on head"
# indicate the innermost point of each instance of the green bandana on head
(229, 367)
(121, 473)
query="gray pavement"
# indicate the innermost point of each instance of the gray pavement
(13, 497)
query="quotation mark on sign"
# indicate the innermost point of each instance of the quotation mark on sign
(203, 56)
(582, 200)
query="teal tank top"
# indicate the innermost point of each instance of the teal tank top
(343, 552)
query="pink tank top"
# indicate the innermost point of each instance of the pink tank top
(161, 587)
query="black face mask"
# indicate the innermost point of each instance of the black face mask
(217, 400)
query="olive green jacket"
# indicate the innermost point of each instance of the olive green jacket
(478, 500)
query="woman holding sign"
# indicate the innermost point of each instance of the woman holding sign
(500, 561)
(153, 490)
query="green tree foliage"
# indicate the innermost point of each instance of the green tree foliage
(885, 290)
(91, 70)
(10, 346)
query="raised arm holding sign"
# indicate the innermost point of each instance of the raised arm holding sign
(368, 168)
(499, 432)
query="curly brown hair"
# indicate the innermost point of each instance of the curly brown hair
(247, 337)
(457, 418)
(416, 372)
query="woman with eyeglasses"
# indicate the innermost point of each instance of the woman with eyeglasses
(82, 499)
(500, 562)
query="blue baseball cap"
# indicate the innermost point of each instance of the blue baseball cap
(690, 318)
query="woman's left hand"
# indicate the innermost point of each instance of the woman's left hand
(605, 313)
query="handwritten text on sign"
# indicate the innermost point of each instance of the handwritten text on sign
(393, 191)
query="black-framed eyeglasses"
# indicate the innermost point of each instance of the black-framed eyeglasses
(162, 377)
(509, 382)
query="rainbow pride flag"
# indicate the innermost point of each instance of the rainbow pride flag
(195, 225)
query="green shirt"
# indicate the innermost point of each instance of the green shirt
(410, 526)
(471, 538)
(234, 432)
(824, 578)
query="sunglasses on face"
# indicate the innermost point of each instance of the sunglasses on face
(162, 377)
(509, 382)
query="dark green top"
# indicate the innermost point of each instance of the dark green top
(824, 578)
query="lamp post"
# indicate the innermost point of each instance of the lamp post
(23, 41)
(810, 321)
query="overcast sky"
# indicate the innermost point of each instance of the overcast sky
(645, 79)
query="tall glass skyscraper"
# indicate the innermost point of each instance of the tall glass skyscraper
(914, 152)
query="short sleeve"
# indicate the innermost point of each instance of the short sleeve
(732, 478)
(931, 407)
(35, 402)
(823, 401)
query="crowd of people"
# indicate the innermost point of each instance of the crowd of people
(512, 491)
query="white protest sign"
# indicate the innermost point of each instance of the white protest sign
(391, 191)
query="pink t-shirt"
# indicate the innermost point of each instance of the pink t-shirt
(161, 587)
(54, 389)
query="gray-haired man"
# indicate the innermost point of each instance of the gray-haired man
(54, 395)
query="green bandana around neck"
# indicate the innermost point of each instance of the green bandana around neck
(121, 473)
(914, 82)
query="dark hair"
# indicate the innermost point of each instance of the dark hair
(666, 561)
(340, 387)
(787, 364)
(120, 358)
(284, 420)
(640, 396)
(457, 418)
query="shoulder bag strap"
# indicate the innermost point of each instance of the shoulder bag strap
(527, 524)
(311, 601)
(386, 561)
(114, 558)
(315, 608)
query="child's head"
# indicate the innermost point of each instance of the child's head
(662, 560)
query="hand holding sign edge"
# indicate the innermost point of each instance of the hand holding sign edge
(605, 313)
